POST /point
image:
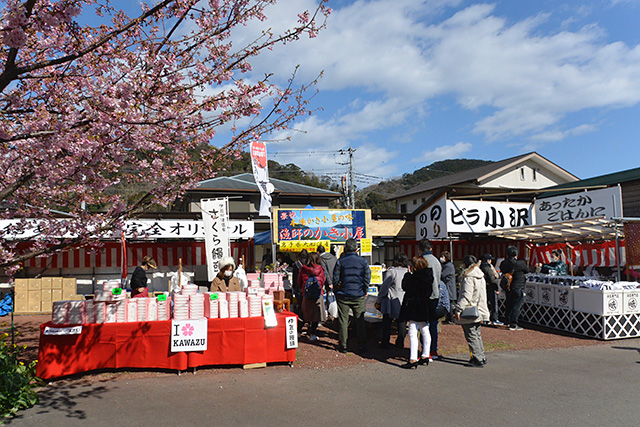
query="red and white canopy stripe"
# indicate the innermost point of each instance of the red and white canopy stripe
(585, 255)
(110, 255)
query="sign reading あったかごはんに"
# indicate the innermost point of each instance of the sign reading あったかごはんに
(189, 335)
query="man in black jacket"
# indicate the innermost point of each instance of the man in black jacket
(515, 297)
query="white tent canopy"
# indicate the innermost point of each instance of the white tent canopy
(577, 230)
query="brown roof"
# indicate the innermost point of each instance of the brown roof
(473, 175)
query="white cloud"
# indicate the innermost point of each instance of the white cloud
(518, 79)
(445, 152)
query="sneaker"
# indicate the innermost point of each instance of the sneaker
(434, 356)
(342, 350)
(475, 363)
(313, 338)
(497, 323)
(515, 328)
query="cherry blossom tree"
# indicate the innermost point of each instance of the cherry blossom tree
(87, 108)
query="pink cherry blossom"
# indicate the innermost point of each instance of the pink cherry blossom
(88, 109)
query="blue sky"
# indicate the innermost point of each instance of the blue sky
(409, 82)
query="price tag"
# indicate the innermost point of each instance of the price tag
(162, 297)
(213, 297)
(117, 291)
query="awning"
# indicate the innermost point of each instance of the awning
(569, 231)
(262, 238)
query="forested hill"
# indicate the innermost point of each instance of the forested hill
(374, 197)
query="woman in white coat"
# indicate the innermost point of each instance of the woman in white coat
(473, 292)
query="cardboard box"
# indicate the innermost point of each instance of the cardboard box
(21, 307)
(22, 296)
(46, 295)
(68, 294)
(45, 283)
(531, 290)
(34, 296)
(56, 294)
(631, 301)
(595, 301)
(563, 296)
(45, 306)
(34, 307)
(56, 283)
(69, 283)
(22, 285)
(34, 284)
(545, 295)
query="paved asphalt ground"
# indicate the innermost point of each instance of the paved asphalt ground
(585, 386)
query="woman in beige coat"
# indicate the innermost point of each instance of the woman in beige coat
(473, 292)
(224, 280)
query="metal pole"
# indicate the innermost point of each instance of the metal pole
(351, 184)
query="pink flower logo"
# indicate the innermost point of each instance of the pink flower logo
(187, 330)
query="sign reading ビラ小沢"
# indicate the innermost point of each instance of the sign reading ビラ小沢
(470, 216)
(189, 335)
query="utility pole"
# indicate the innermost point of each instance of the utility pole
(352, 195)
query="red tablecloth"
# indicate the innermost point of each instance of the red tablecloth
(146, 345)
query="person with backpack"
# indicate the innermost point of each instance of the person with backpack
(517, 268)
(351, 279)
(311, 280)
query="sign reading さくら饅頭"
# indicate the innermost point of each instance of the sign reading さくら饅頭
(188, 335)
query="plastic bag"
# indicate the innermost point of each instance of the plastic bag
(242, 277)
(332, 305)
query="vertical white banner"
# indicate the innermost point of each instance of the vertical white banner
(292, 332)
(215, 217)
(258, 152)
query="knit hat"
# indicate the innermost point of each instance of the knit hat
(226, 261)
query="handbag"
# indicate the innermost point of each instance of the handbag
(332, 305)
(470, 312)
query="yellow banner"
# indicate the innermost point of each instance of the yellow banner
(376, 274)
(298, 245)
(365, 247)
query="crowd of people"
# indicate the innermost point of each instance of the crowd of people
(415, 294)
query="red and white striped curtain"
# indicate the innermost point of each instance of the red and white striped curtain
(166, 255)
(497, 248)
(586, 255)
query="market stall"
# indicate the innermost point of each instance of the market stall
(146, 345)
(594, 307)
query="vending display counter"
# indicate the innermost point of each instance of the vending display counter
(146, 345)
(564, 303)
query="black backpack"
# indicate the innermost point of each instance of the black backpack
(312, 288)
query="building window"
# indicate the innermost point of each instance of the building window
(403, 208)
(423, 199)
(521, 174)
(415, 201)
(535, 174)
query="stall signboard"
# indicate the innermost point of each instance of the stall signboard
(470, 216)
(69, 330)
(376, 274)
(189, 335)
(215, 217)
(321, 224)
(138, 229)
(298, 245)
(585, 204)
(365, 247)
(292, 332)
